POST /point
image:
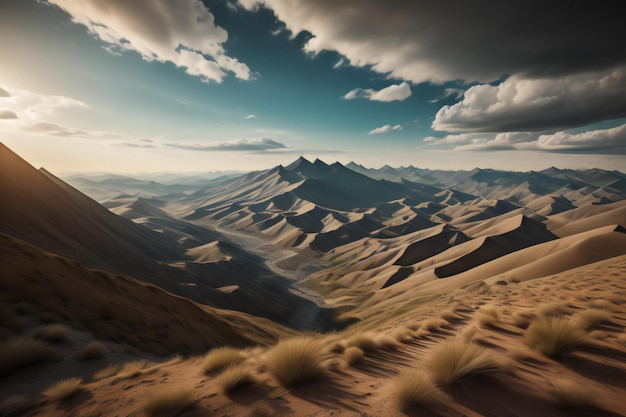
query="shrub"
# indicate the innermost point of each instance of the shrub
(169, 402)
(297, 360)
(434, 324)
(234, 377)
(221, 358)
(552, 310)
(107, 372)
(353, 355)
(54, 333)
(488, 316)
(411, 388)
(131, 369)
(64, 389)
(364, 341)
(21, 351)
(522, 319)
(589, 319)
(92, 350)
(554, 335)
(455, 360)
(571, 396)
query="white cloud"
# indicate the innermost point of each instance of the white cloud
(456, 93)
(384, 129)
(179, 31)
(250, 117)
(27, 111)
(520, 104)
(398, 92)
(252, 144)
(34, 106)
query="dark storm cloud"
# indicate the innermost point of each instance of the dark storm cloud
(473, 41)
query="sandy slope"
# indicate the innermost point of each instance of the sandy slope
(366, 388)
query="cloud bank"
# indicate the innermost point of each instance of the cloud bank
(519, 104)
(179, 31)
(598, 141)
(480, 41)
(398, 92)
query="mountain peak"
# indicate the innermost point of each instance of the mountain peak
(298, 163)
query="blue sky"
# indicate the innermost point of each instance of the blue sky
(164, 85)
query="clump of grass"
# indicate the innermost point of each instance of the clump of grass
(353, 355)
(364, 341)
(387, 341)
(131, 369)
(432, 325)
(413, 388)
(221, 358)
(552, 310)
(588, 319)
(234, 377)
(21, 351)
(451, 314)
(54, 333)
(571, 396)
(92, 350)
(488, 316)
(403, 334)
(456, 360)
(554, 336)
(297, 360)
(107, 372)
(522, 319)
(64, 389)
(169, 402)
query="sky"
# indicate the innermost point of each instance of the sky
(190, 85)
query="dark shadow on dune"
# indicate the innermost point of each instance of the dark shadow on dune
(329, 393)
(436, 410)
(508, 398)
(70, 404)
(249, 394)
(599, 371)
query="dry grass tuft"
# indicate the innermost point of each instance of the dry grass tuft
(488, 316)
(221, 358)
(571, 396)
(403, 334)
(169, 402)
(54, 333)
(64, 389)
(107, 372)
(131, 369)
(21, 351)
(432, 325)
(353, 355)
(413, 388)
(93, 350)
(552, 310)
(387, 341)
(522, 319)
(588, 319)
(456, 360)
(234, 377)
(554, 335)
(297, 360)
(364, 341)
